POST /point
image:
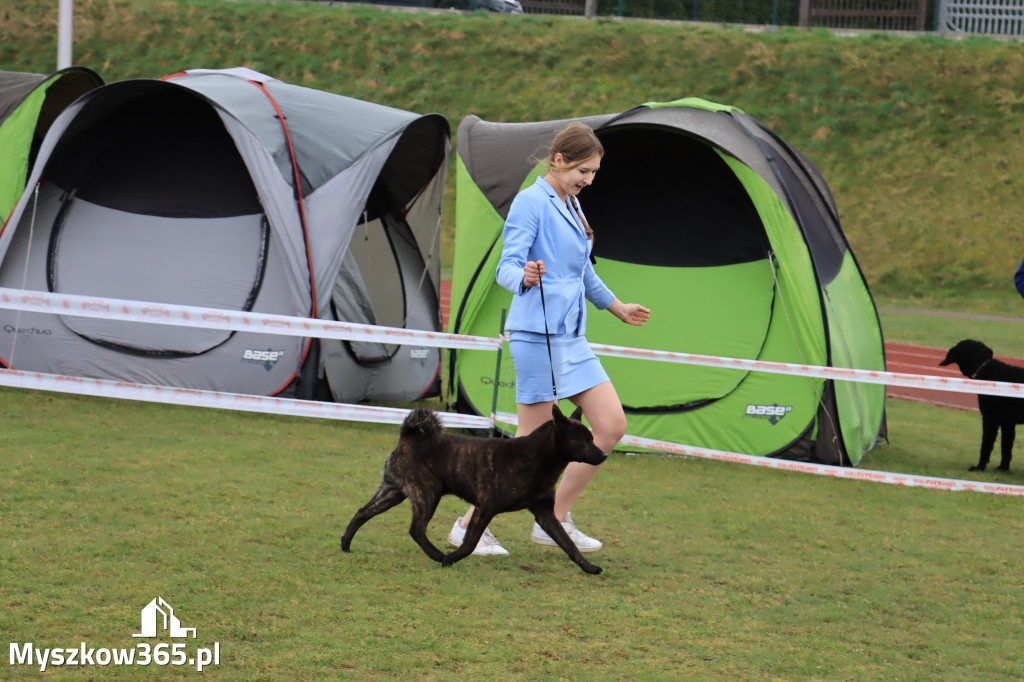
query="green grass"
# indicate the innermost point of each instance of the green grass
(712, 570)
(943, 329)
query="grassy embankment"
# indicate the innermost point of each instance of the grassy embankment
(921, 138)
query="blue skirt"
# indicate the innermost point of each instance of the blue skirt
(576, 367)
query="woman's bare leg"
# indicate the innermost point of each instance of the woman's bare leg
(603, 410)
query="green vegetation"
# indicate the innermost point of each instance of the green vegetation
(941, 329)
(713, 571)
(921, 138)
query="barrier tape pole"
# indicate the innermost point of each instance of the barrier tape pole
(868, 475)
(233, 320)
(228, 401)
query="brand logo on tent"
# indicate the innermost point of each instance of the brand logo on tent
(268, 358)
(11, 329)
(488, 381)
(158, 615)
(773, 413)
(421, 354)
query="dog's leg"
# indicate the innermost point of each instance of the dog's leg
(1006, 445)
(386, 497)
(424, 503)
(989, 429)
(545, 516)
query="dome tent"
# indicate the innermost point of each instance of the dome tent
(29, 104)
(230, 189)
(731, 237)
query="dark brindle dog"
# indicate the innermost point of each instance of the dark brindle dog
(976, 361)
(495, 475)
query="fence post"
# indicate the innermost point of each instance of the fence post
(497, 376)
(805, 14)
(590, 8)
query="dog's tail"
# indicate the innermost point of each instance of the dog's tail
(422, 422)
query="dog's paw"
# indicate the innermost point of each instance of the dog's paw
(592, 569)
(977, 467)
(1004, 469)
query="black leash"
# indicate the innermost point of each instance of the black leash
(547, 338)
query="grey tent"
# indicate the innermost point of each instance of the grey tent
(233, 190)
(29, 104)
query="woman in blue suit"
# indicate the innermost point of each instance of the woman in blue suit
(547, 236)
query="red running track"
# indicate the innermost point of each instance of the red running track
(900, 357)
(907, 359)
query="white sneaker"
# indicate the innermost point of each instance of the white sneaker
(584, 542)
(488, 545)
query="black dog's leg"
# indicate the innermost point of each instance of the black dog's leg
(474, 531)
(424, 503)
(989, 429)
(1009, 430)
(545, 516)
(386, 497)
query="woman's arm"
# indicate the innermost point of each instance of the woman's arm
(518, 235)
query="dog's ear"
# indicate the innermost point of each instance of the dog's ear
(577, 414)
(556, 413)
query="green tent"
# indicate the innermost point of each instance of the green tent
(29, 104)
(731, 237)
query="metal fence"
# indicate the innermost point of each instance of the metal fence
(998, 17)
(883, 15)
(553, 6)
(994, 17)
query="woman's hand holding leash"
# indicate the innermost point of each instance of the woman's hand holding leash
(533, 272)
(630, 313)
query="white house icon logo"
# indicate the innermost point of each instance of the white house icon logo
(158, 615)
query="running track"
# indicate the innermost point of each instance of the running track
(901, 358)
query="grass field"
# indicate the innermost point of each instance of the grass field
(713, 571)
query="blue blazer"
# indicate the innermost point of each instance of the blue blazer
(541, 227)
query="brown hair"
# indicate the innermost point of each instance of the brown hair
(576, 143)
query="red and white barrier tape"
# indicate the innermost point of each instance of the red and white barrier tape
(909, 480)
(389, 415)
(216, 318)
(227, 401)
(867, 376)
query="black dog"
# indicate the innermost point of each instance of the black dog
(976, 361)
(493, 474)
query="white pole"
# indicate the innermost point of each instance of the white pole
(65, 19)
